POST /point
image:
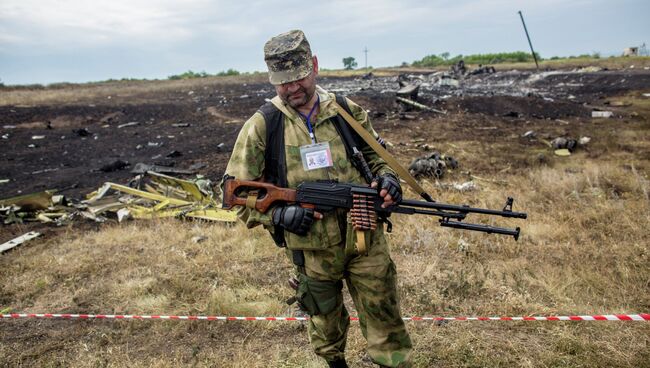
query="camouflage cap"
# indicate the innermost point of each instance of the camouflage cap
(288, 57)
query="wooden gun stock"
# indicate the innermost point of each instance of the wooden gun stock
(254, 194)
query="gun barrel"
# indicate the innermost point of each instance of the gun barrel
(483, 228)
(461, 208)
(411, 211)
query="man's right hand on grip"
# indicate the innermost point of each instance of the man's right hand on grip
(294, 218)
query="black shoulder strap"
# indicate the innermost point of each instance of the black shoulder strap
(275, 171)
(350, 138)
(343, 129)
(344, 103)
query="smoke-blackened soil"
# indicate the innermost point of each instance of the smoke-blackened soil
(77, 146)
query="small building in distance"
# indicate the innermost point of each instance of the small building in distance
(631, 51)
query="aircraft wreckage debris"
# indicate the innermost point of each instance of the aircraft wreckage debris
(19, 240)
(602, 114)
(133, 123)
(433, 165)
(141, 168)
(153, 196)
(419, 105)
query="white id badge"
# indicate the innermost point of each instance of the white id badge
(316, 156)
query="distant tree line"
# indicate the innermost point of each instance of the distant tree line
(594, 55)
(502, 57)
(191, 75)
(496, 58)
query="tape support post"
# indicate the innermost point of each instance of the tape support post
(602, 317)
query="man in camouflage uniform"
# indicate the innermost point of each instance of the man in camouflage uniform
(326, 240)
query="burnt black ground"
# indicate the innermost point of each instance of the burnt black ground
(71, 163)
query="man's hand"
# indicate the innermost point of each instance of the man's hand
(294, 218)
(389, 189)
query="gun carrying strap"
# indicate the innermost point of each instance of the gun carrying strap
(352, 142)
(277, 102)
(381, 151)
(275, 171)
(251, 200)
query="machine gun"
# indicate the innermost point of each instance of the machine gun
(363, 203)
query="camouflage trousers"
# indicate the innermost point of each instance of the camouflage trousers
(371, 281)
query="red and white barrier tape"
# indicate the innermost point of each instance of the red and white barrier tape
(604, 317)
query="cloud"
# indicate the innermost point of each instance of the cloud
(383, 16)
(74, 23)
(78, 22)
(10, 38)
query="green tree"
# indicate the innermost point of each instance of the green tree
(349, 63)
(228, 72)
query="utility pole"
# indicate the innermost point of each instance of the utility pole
(528, 37)
(365, 51)
(643, 50)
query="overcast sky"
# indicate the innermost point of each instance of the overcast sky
(77, 41)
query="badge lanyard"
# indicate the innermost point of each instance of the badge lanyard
(308, 118)
(315, 155)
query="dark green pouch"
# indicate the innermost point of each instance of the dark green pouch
(318, 296)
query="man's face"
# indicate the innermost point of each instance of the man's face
(299, 93)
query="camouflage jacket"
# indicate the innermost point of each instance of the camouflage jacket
(247, 163)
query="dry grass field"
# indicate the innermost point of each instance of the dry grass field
(584, 250)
